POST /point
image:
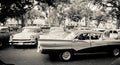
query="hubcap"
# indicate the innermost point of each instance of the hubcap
(116, 52)
(66, 55)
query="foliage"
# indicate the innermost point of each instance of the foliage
(14, 8)
(53, 3)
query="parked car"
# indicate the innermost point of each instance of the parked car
(28, 36)
(84, 41)
(4, 36)
(55, 33)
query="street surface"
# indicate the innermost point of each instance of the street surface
(29, 56)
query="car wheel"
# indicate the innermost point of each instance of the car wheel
(116, 52)
(65, 56)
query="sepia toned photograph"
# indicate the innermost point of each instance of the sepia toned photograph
(59, 32)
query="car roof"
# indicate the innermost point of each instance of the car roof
(87, 31)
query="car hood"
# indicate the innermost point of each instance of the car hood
(54, 36)
(23, 35)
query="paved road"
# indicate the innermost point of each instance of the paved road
(29, 56)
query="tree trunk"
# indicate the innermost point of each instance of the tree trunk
(118, 22)
(22, 21)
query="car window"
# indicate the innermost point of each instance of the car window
(95, 36)
(115, 32)
(107, 34)
(4, 30)
(111, 31)
(83, 36)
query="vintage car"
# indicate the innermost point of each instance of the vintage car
(77, 42)
(28, 36)
(55, 33)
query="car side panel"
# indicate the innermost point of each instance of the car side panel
(96, 43)
(80, 44)
(54, 44)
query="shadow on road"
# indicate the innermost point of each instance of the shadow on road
(85, 57)
(92, 56)
(25, 47)
(18, 47)
(4, 47)
(2, 63)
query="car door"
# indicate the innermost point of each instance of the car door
(81, 41)
(97, 43)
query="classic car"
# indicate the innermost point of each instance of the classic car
(79, 42)
(4, 36)
(55, 33)
(28, 36)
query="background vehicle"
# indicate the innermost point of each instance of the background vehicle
(28, 36)
(55, 33)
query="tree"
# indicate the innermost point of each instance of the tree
(14, 9)
(115, 11)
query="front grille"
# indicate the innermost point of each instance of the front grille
(21, 39)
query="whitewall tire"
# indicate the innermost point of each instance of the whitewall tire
(65, 56)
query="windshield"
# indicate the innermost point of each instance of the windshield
(31, 30)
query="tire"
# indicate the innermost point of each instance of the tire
(65, 56)
(116, 52)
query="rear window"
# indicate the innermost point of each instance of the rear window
(95, 36)
(115, 32)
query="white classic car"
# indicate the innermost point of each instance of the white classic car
(55, 33)
(28, 36)
(79, 42)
